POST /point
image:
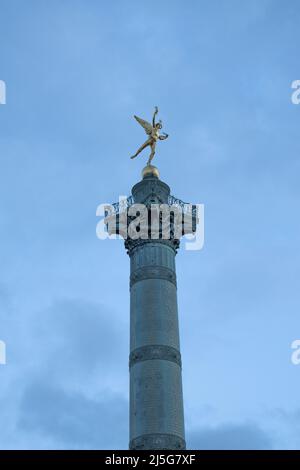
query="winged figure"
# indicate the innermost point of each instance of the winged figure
(152, 130)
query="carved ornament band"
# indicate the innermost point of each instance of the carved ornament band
(157, 441)
(152, 272)
(146, 353)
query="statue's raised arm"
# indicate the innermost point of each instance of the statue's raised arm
(155, 113)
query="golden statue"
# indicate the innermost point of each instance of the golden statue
(154, 136)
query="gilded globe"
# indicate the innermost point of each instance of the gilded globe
(150, 171)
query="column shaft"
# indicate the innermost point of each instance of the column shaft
(156, 403)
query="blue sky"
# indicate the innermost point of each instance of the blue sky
(221, 74)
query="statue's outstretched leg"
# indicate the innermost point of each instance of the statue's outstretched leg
(153, 145)
(142, 147)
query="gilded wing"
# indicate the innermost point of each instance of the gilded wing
(145, 124)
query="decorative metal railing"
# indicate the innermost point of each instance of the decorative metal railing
(123, 205)
(186, 208)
